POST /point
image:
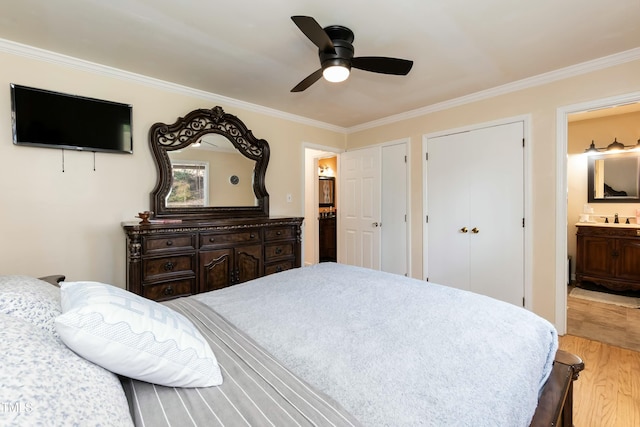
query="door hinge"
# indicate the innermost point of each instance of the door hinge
(427, 219)
(405, 159)
(522, 222)
(523, 301)
(405, 217)
(426, 156)
(523, 142)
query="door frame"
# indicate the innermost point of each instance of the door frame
(528, 213)
(562, 149)
(326, 151)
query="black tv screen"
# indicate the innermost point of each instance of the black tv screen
(49, 119)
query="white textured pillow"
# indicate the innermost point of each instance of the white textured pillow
(135, 337)
(31, 299)
(43, 383)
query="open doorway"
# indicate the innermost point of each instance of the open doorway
(571, 190)
(318, 161)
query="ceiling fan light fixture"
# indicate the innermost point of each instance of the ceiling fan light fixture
(336, 73)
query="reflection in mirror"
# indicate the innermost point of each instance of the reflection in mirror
(614, 178)
(202, 175)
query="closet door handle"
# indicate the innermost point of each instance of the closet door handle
(464, 230)
(475, 230)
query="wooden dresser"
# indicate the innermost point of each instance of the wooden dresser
(609, 255)
(169, 260)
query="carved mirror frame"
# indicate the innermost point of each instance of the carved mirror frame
(188, 130)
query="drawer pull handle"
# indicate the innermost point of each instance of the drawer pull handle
(278, 250)
(211, 239)
(278, 233)
(169, 242)
(278, 269)
(252, 236)
(168, 290)
(168, 266)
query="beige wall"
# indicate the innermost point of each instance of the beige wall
(69, 222)
(541, 103)
(624, 127)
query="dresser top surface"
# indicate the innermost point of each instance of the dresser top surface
(172, 225)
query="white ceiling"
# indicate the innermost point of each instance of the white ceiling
(252, 51)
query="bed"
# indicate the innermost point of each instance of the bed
(323, 345)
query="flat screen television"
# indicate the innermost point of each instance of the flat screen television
(43, 118)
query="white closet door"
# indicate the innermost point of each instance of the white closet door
(359, 208)
(475, 196)
(448, 208)
(496, 190)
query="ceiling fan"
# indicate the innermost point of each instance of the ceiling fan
(336, 54)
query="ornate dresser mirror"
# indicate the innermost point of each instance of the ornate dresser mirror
(209, 166)
(614, 178)
(213, 228)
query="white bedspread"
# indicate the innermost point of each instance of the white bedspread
(396, 351)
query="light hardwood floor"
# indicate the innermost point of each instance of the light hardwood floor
(607, 338)
(607, 393)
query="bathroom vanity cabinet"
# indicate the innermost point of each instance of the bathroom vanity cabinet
(609, 255)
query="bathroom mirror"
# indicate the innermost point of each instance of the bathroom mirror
(209, 166)
(614, 178)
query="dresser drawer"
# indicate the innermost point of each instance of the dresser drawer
(278, 267)
(279, 233)
(158, 268)
(168, 290)
(275, 251)
(163, 244)
(217, 239)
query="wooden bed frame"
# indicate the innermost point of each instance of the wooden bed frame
(555, 406)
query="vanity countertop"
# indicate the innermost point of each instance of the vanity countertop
(608, 225)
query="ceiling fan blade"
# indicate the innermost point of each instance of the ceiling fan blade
(381, 64)
(314, 32)
(311, 79)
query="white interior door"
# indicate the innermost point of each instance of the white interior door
(448, 207)
(496, 250)
(475, 197)
(359, 208)
(394, 209)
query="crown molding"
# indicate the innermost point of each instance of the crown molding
(541, 79)
(32, 52)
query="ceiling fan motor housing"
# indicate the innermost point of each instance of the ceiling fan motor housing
(342, 39)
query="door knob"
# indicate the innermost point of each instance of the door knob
(464, 230)
(375, 224)
(475, 230)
